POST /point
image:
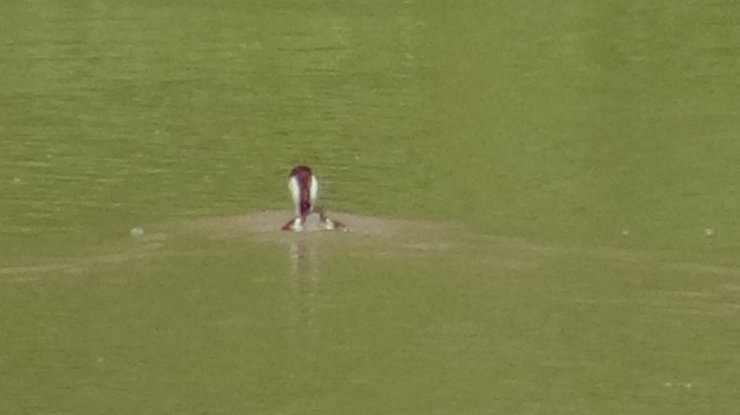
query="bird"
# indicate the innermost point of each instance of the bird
(304, 191)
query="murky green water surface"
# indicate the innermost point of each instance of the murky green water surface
(543, 199)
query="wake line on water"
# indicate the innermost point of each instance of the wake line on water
(385, 237)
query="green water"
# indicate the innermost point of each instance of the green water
(585, 153)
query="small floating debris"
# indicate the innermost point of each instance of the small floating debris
(625, 232)
(709, 232)
(137, 232)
